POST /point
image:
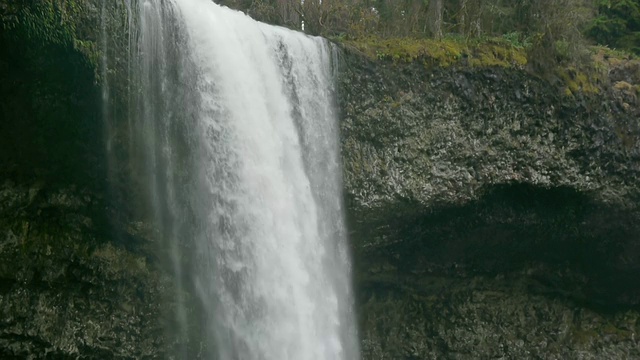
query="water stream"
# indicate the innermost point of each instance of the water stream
(236, 126)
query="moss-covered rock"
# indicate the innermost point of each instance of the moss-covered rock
(78, 279)
(441, 53)
(49, 92)
(492, 215)
(68, 287)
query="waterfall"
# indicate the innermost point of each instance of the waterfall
(236, 138)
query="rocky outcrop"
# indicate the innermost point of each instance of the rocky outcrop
(493, 215)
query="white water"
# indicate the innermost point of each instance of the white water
(240, 139)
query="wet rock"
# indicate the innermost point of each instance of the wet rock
(491, 215)
(67, 289)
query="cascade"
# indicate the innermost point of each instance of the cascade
(235, 127)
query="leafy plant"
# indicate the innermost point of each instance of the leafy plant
(617, 24)
(517, 40)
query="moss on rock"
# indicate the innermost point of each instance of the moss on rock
(440, 53)
(491, 216)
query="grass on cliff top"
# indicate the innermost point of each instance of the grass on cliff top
(508, 51)
(587, 77)
(503, 52)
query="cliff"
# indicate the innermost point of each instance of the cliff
(492, 212)
(79, 277)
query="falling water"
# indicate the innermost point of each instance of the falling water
(236, 128)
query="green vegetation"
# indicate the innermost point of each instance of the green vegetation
(546, 36)
(551, 37)
(617, 24)
(47, 23)
(446, 52)
(583, 76)
(577, 80)
(44, 22)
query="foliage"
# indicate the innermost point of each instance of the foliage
(449, 51)
(617, 24)
(46, 22)
(552, 30)
(577, 81)
(517, 40)
(557, 31)
(48, 90)
(545, 36)
(40, 20)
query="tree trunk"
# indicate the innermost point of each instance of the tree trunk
(434, 18)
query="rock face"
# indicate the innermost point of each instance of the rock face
(492, 215)
(69, 287)
(79, 278)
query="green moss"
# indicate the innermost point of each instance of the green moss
(578, 80)
(444, 53)
(579, 77)
(47, 23)
(606, 52)
(90, 50)
(498, 54)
